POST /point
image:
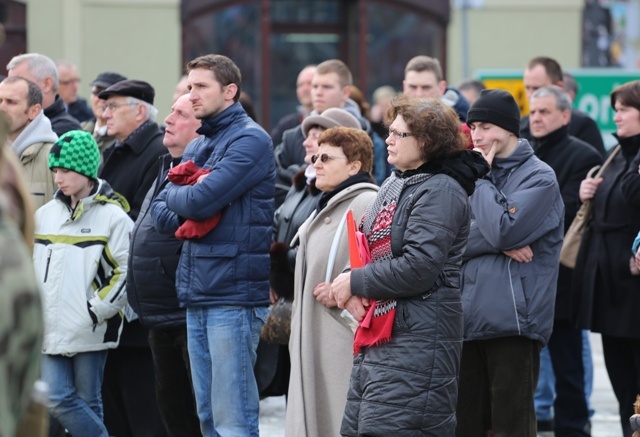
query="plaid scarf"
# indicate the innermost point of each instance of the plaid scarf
(375, 329)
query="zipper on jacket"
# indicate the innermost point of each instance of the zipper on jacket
(46, 271)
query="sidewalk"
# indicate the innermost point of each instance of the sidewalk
(605, 422)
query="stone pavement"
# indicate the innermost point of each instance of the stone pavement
(605, 422)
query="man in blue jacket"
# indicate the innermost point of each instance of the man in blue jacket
(223, 275)
(509, 274)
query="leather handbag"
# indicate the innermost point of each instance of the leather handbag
(277, 328)
(580, 223)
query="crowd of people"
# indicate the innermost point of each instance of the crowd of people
(416, 241)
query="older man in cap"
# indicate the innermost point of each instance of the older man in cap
(98, 125)
(130, 167)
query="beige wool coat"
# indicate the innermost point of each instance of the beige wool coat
(321, 342)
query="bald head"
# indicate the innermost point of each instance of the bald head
(181, 126)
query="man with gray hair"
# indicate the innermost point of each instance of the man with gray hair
(68, 83)
(571, 159)
(29, 135)
(42, 71)
(130, 166)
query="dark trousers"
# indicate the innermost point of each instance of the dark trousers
(622, 359)
(129, 394)
(571, 414)
(498, 379)
(174, 390)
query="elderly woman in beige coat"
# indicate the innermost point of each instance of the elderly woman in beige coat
(321, 344)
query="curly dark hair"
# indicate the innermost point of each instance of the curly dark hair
(434, 124)
(355, 143)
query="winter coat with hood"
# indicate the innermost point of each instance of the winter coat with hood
(608, 294)
(517, 204)
(229, 265)
(32, 147)
(80, 259)
(409, 386)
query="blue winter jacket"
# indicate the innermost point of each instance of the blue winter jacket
(229, 265)
(518, 204)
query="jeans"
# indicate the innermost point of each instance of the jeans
(222, 350)
(587, 362)
(498, 378)
(546, 390)
(74, 391)
(174, 390)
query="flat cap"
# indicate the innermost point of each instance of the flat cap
(107, 78)
(130, 88)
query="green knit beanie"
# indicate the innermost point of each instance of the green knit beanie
(76, 151)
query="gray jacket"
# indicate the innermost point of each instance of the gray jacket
(518, 204)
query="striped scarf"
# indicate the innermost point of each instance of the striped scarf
(376, 327)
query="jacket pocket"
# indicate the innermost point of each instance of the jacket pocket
(214, 268)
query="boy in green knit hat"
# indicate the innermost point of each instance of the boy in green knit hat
(80, 257)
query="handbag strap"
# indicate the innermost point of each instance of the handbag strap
(334, 246)
(604, 166)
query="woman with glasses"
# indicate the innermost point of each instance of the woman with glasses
(405, 373)
(272, 365)
(321, 336)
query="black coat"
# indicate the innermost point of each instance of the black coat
(299, 204)
(61, 121)
(153, 261)
(571, 159)
(130, 167)
(581, 126)
(289, 161)
(608, 295)
(80, 110)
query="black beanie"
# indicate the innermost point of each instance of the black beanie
(496, 107)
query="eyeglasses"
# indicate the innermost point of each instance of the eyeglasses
(69, 82)
(324, 158)
(114, 106)
(397, 134)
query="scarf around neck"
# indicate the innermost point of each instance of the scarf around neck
(376, 327)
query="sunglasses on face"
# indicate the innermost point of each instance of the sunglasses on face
(325, 157)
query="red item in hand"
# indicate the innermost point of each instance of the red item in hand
(188, 173)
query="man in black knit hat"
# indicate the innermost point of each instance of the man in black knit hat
(509, 274)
